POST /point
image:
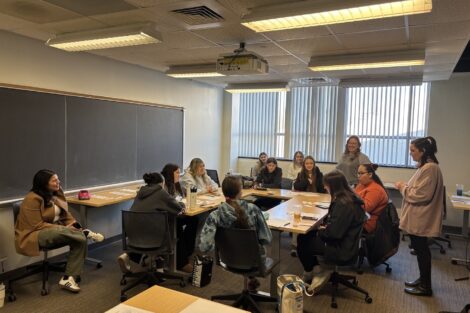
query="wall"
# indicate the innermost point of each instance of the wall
(28, 62)
(449, 112)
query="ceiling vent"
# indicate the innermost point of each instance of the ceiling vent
(200, 15)
(313, 81)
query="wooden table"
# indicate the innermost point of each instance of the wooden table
(280, 218)
(163, 300)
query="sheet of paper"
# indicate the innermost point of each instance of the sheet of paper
(124, 308)
(312, 216)
(129, 190)
(99, 197)
(277, 222)
(204, 306)
(118, 193)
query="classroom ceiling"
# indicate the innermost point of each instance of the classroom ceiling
(443, 34)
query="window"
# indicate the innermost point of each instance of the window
(307, 119)
(386, 119)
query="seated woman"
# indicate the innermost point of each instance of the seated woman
(44, 221)
(310, 178)
(372, 192)
(296, 166)
(171, 174)
(153, 197)
(259, 164)
(195, 176)
(337, 240)
(235, 213)
(270, 176)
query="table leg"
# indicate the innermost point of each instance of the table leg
(83, 222)
(172, 259)
(276, 253)
(465, 234)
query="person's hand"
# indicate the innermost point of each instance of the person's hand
(322, 227)
(399, 184)
(209, 188)
(72, 226)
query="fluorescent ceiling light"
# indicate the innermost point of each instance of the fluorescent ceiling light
(257, 87)
(195, 70)
(411, 80)
(367, 61)
(325, 12)
(104, 38)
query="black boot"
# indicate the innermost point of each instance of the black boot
(413, 283)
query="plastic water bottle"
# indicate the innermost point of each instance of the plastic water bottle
(188, 197)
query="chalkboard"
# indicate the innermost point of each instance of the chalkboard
(88, 142)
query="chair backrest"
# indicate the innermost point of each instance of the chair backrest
(238, 248)
(286, 183)
(146, 231)
(213, 174)
(16, 210)
(444, 203)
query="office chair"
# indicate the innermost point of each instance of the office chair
(214, 176)
(44, 267)
(237, 251)
(286, 183)
(146, 233)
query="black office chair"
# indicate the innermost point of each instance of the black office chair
(44, 267)
(237, 251)
(214, 176)
(146, 233)
(286, 183)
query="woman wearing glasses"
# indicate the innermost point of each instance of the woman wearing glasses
(372, 192)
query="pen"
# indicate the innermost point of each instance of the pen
(286, 224)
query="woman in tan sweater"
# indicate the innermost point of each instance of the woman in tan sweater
(422, 210)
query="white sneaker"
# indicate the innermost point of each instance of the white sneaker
(319, 280)
(97, 237)
(69, 284)
(124, 263)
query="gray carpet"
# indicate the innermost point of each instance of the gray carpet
(101, 289)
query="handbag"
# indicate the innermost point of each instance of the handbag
(202, 270)
(290, 290)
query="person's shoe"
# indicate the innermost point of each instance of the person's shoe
(293, 253)
(124, 263)
(319, 280)
(419, 291)
(188, 268)
(253, 284)
(307, 277)
(412, 251)
(414, 283)
(96, 237)
(69, 284)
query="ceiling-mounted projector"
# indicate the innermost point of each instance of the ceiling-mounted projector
(241, 62)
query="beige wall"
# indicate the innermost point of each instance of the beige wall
(28, 62)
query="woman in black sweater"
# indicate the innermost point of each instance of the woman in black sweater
(310, 178)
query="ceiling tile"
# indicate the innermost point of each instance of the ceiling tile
(283, 60)
(74, 25)
(301, 33)
(35, 11)
(231, 34)
(373, 39)
(313, 46)
(92, 7)
(367, 26)
(184, 40)
(440, 32)
(443, 11)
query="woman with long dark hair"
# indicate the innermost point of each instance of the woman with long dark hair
(372, 191)
(235, 213)
(44, 221)
(171, 173)
(310, 177)
(351, 159)
(338, 238)
(422, 209)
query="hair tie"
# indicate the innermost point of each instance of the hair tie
(429, 140)
(227, 199)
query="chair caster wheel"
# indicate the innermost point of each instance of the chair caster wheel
(123, 298)
(44, 292)
(454, 262)
(368, 299)
(182, 283)
(99, 265)
(123, 281)
(334, 305)
(11, 297)
(388, 270)
(442, 251)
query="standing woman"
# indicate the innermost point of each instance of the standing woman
(422, 210)
(259, 164)
(351, 159)
(310, 177)
(296, 166)
(44, 221)
(196, 176)
(372, 192)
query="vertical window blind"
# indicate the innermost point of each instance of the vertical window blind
(386, 119)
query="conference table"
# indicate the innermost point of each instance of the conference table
(462, 203)
(279, 220)
(158, 299)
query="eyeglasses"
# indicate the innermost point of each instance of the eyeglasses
(361, 173)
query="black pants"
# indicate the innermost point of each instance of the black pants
(186, 229)
(420, 245)
(309, 246)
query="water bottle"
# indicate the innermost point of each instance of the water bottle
(188, 197)
(193, 197)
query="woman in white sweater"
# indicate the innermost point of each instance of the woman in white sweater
(195, 176)
(296, 166)
(422, 209)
